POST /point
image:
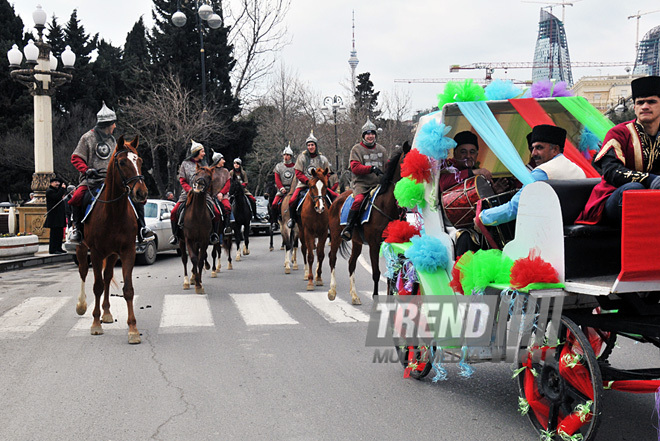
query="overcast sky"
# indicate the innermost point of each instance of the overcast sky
(401, 39)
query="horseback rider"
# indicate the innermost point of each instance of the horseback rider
(242, 179)
(91, 158)
(186, 174)
(284, 174)
(366, 161)
(221, 181)
(307, 161)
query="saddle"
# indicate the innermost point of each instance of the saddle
(232, 201)
(92, 196)
(365, 209)
(209, 205)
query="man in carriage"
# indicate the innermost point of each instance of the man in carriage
(629, 158)
(187, 172)
(243, 180)
(464, 163)
(546, 146)
(284, 174)
(367, 160)
(307, 161)
(221, 184)
(91, 158)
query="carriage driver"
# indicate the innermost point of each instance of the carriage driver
(307, 161)
(186, 175)
(91, 158)
(284, 174)
(464, 163)
(546, 145)
(630, 157)
(221, 181)
(367, 160)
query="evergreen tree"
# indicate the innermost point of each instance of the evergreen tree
(366, 99)
(107, 72)
(135, 75)
(55, 37)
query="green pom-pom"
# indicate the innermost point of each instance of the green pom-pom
(461, 92)
(485, 267)
(409, 193)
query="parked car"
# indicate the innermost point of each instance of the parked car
(262, 224)
(157, 218)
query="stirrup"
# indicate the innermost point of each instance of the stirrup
(75, 237)
(214, 239)
(228, 230)
(144, 233)
(174, 240)
(347, 234)
(290, 223)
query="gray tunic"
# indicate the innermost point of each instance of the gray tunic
(371, 157)
(95, 151)
(187, 171)
(305, 161)
(286, 174)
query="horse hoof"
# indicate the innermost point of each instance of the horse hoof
(246, 252)
(230, 267)
(186, 286)
(134, 338)
(281, 248)
(287, 270)
(295, 266)
(332, 294)
(199, 290)
(271, 248)
(356, 301)
(310, 287)
(207, 266)
(192, 279)
(214, 274)
(81, 308)
(107, 318)
(238, 257)
(97, 330)
(319, 282)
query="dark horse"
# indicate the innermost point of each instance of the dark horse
(314, 220)
(289, 235)
(242, 216)
(271, 192)
(226, 239)
(385, 210)
(197, 225)
(110, 235)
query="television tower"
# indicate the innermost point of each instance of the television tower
(353, 60)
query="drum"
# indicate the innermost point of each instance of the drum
(460, 201)
(503, 233)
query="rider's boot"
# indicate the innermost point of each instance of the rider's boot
(253, 205)
(215, 234)
(174, 240)
(77, 233)
(347, 232)
(292, 214)
(144, 232)
(227, 220)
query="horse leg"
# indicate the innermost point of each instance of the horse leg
(215, 251)
(352, 261)
(332, 257)
(228, 252)
(310, 261)
(375, 267)
(238, 242)
(97, 266)
(246, 240)
(107, 278)
(320, 255)
(127, 263)
(184, 260)
(83, 268)
(199, 289)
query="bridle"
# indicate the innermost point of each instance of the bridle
(316, 198)
(127, 183)
(389, 182)
(201, 183)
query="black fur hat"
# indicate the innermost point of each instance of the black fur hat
(466, 137)
(645, 86)
(550, 134)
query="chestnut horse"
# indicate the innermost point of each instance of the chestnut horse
(197, 225)
(110, 235)
(314, 225)
(385, 209)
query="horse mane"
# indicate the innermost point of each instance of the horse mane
(390, 168)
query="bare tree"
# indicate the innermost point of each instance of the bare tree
(394, 119)
(167, 118)
(257, 34)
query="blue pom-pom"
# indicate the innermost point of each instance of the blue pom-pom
(502, 90)
(432, 140)
(588, 141)
(427, 253)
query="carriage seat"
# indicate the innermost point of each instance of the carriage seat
(589, 250)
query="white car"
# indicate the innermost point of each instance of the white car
(157, 218)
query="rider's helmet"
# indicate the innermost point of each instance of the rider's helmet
(216, 158)
(312, 138)
(369, 127)
(287, 150)
(105, 117)
(238, 161)
(195, 148)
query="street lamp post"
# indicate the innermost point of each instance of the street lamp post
(204, 13)
(334, 104)
(42, 79)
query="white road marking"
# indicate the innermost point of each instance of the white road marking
(185, 311)
(335, 311)
(29, 316)
(117, 309)
(367, 266)
(261, 309)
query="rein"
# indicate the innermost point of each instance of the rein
(125, 182)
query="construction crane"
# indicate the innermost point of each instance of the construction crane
(491, 66)
(551, 4)
(446, 80)
(638, 16)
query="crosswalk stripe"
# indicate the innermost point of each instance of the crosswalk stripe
(185, 311)
(261, 309)
(118, 310)
(336, 311)
(29, 316)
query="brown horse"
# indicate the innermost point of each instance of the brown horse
(289, 235)
(110, 234)
(217, 252)
(385, 209)
(314, 228)
(197, 225)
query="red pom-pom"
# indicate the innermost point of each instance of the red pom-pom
(455, 283)
(399, 232)
(532, 269)
(416, 166)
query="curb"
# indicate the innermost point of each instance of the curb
(29, 262)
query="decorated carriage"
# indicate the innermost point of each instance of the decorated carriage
(564, 294)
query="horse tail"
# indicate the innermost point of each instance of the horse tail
(344, 249)
(113, 282)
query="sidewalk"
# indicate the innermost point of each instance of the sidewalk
(41, 257)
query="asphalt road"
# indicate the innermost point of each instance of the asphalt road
(211, 368)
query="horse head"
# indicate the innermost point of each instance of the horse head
(128, 164)
(318, 188)
(202, 179)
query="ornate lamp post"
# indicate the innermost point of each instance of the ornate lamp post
(334, 104)
(42, 79)
(204, 13)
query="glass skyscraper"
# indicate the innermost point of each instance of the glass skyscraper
(551, 58)
(648, 54)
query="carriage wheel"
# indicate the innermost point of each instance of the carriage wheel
(562, 390)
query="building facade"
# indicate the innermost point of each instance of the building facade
(551, 57)
(648, 54)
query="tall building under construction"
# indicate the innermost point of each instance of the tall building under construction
(648, 54)
(551, 58)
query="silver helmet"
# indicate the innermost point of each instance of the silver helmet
(217, 157)
(105, 115)
(312, 138)
(287, 150)
(195, 147)
(238, 161)
(369, 127)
